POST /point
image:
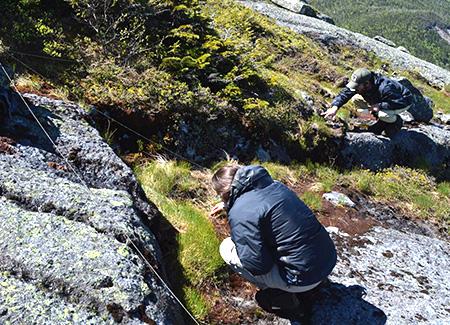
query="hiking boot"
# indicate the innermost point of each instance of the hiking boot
(281, 303)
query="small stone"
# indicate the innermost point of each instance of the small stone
(337, 198)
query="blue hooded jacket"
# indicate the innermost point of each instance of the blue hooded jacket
(271, 225)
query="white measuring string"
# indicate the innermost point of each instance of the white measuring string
(90, 191)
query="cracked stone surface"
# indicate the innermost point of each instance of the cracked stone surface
(67, 246)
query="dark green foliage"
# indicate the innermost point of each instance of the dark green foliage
(408, 23)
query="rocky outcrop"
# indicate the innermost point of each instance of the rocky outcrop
(384, 41)
(426, 146)
(302, 8)
(68, 246)
(329, 34)
(390, 275)
(444, 33)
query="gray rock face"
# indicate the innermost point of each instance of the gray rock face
(385, 41)
(443, 118)
(329, 34)
(403, 49)
(299, 7)
(385, 276)
(302, 8)
(67, 252)
(366, 150)
(403, 275)
(424, 146)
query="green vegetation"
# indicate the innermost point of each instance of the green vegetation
(196, 257)
(440, 97)
(407, 23)
(412, 189)
(177, 63)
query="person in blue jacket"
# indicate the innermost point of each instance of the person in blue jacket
(276, 240)
(383, 97)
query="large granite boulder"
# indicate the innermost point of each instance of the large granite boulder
(68, 246)
(366, 150)
(425, 146)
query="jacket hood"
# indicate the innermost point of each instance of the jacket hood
(246, 179)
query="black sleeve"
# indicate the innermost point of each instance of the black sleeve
(343, 97)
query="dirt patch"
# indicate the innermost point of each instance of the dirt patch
(235, 304)
(6, 146)
(348, 220)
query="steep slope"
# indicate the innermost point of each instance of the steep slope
(330, 34)
(415, 25)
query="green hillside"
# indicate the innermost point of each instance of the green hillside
(166, 66)
(407, 23)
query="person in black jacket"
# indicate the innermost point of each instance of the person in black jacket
(276, 240)
(383, 97)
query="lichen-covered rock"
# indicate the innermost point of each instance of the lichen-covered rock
(426, 146)
(68, 246)
(383, 276)
(22, 301)
(67, 124)
(403, 275)
(423, 146)
(366, 150)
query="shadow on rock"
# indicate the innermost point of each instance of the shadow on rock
(424, 149)
(22, 127)
(330, 303)
(336, 303)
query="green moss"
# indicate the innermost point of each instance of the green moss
(196, 303)
(444, 189)
(313, 200)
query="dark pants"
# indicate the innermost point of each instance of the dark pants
(390, 129)
(292, 306)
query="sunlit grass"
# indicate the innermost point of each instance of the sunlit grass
(197, 252)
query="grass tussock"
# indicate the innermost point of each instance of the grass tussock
(412, 190)
(197, 250)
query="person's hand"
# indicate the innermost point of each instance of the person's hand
(217, 210)
(374, 110)
(331, 112)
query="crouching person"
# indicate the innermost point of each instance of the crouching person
(276, 241)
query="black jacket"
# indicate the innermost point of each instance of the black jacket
(271, 225)
(388, 93)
